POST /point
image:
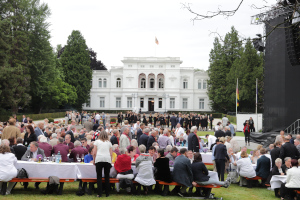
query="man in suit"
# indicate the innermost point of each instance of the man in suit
(88, 125)
(62, 149)
(140, 131)
(219, 133)
(193, 141)
(173, 120)
(11, 130)
(263, 165)
(288, 150)
(71, 133)
(151, 139)
(220, 155)
(275, 152)
(182, 172)
(144, 137)
(115, 137)
(38, 130)
(19, 149)
(96, 126)
(68, 142)
(43, 144)
(78, 150)
(32, 152)
(180, 120)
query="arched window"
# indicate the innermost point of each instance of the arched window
(204, 84)
(161, 83)
(151, 82)
(104, 82)
(185, 83)
(143, 83)
(100, 82)
(118, 84)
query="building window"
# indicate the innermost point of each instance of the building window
(143, 83)
(172, 102)
(88, 103)
(118, 82)
(185, 83)
(172, 66)
(142, 102)
(129, 65)
(160, 83)
(151, 66)
(142, 66)
(104, 83)
(201, 103)
(204, 85)
(129, 102)
(151, 82)
(160, 103)
(102, 102)
(184, 103)
(118, 102)
(199, 84)
(160, 66)
(100, 82)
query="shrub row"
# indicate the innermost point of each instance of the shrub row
(35, 116)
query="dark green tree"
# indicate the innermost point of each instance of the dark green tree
(75, 62)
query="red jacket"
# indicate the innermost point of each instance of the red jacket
(123, 163)
(248, 128)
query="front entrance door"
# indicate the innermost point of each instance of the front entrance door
(151, 104)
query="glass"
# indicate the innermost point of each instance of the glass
(53, 157)
(82, 158)
(78, 158)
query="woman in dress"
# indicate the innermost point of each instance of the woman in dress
(150, 118)
(30, 136)
(102, 159)
(8, 170)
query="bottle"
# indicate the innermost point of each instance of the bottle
(58, 157)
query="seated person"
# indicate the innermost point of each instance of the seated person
(277, 170)
(62, 149)
(8, 170)
(152, 153)
(115, 149)
(229, 165)
(243, 149)
(144, 170)
(132, 153)
(43, 144)
(68, 142)
(245, 168)
(168, 149)
(123, 168)
(114, 155)
(292, 181)
(263, 166)
(32, 152)
(255, 156)
(182, 172)
(287, 164)
(19, 149)
(172, 154)
(89, 157)
(163, 171)
(200, 176)
(78, 150)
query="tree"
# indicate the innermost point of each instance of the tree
(75, 61)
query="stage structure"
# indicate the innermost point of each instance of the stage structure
(282, 66)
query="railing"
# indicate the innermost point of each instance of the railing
(294, 128)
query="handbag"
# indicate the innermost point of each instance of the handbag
(22, 173)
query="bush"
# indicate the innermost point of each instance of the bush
(51, 120)
(113, 120)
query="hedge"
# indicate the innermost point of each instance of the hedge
(35, 116)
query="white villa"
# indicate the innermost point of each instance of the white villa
(151, 83)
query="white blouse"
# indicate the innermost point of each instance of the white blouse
(103, 151)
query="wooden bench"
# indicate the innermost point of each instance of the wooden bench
(91, 182)
(250, 180)
(35, 180)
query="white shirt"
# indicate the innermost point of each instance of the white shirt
(217, 127)
(103, 151)
(293, 178)
(211, 140)
(171, 140)
(136, 126)
(224, 121)
(179, 132)
(8, 170)
(34, 154)
(97, 117)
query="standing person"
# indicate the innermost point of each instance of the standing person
(231, 129)
(251, 125)
(120, 118)
(102, 159)
(103, 119)
(11, 130)
(193, 141)
(173, 121)
(247, 133)
(150, 119)
(224, 121)
(168, 120)
(125, 140)
(66, 118)
(220, 158)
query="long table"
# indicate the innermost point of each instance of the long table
(277, 180)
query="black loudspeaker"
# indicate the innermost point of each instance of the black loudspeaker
(292, 42)
(258, 44)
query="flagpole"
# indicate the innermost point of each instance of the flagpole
(236, 90)
(256, 99)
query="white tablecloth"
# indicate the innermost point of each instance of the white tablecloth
(277, 180)
(207, 158)
(44, 170)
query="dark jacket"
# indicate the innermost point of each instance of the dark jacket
(221, 152)
(274, 155)
(220, 133)
(143, 140)
(173, 120)
(63, 149)
(70, 145)
(30, 154)
(163, 170)
(19, 150)
(150, 141)
(180, 121)
(288, 150)
(193, 142)
(200, 172)
(263, 167)
(228, 133)
(182, 172)
(138, 134)
(114, 140)
(274, 171)
(95, 127)
(31, 138)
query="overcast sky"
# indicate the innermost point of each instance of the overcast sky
(127, 28)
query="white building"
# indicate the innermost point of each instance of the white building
(151, 83)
